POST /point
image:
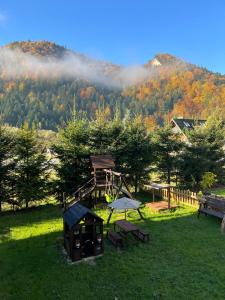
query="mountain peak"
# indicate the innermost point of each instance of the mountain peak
(39, 48)
(164, 59)
(155, 62)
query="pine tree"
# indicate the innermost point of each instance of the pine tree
(72, 150)
(6, 163)
(99, 138)
(133, 151)
(203, 154)
(31, 169)
(167, 147)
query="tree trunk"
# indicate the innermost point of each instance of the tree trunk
(176, 180)
(26, 204)
(168, 176)
(136, 184)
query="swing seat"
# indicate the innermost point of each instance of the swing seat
(109, 198)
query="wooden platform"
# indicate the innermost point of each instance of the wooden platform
(160, 205)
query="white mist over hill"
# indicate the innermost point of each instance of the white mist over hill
(16, 64)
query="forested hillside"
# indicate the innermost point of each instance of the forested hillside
(42, 83)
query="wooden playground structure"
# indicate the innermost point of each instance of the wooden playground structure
(105, 182)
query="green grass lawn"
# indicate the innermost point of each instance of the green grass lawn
(184, 260)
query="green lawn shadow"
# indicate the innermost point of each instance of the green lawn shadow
(183, 260)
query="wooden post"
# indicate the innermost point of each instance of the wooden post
(126, 186)
(64, 201)
(109, 217)
(140, 214)
(168, 193)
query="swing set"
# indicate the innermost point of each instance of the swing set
(105, 182)
(115, 184)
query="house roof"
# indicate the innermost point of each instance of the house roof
(187, 124)
(75, 213)
(102, 161)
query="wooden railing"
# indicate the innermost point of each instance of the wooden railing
(179, 196)
(83, 187)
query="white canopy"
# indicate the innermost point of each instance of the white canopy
(124, 203)
(156, 186)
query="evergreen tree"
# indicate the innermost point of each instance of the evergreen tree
(99, 138)
(116, 136)
(128, 142)
(204, 153)
(133, 151)
(31, 167)
(167, 147)
(215, 136)
(6, 163)
(73, 152)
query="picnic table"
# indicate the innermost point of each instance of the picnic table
(128, 227)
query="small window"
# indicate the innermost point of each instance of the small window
(76, 231)
(84, 229)
(98, 229)
(187, 124)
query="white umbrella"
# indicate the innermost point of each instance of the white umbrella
(124, 204)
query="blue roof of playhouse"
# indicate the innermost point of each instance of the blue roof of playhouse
(75, 213)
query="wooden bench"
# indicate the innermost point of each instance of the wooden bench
(212, 206)
(141, 235)
(115, 238)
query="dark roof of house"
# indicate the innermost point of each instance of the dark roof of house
(187, 124)
(102, 161)
(75, 213)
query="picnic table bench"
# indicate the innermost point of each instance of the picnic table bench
(115, 238)
(141, 235)
(212, 206)
(128, 227)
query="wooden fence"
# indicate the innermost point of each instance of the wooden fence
(179, 196)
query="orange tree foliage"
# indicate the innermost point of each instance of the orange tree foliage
(173, 89)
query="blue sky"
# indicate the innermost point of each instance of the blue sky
(122, 31)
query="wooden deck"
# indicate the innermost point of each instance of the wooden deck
(160, 205)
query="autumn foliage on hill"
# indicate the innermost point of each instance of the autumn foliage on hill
(192, 93)
(171, 88)
(40, 48)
